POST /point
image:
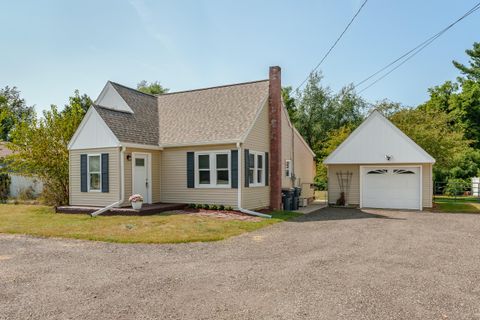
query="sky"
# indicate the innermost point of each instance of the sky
(50, 48)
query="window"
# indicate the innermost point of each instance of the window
(401, 171)
(378, 171)
(256, 169)
(94, 173)
(212, 169)
(288, 168)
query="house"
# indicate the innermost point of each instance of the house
(20, 185)
(378, 166)
(231, 145)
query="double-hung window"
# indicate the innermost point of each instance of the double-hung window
(256, 169)
(94, 173)
(212, 169)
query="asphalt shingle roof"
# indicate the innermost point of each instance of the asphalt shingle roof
(215, 114)
(140, 127)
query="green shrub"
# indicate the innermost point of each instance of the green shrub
(199, 206)
(221, 207)
(26, 194)
(192, 206)
(206, 206)
(5, 182)
(228, 208)
(456, 187)
(214, 207)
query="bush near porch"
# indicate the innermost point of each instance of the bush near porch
(161, 228)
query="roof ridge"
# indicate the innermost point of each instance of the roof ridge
(214, 87)
(136, 90)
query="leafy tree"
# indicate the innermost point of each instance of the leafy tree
(387, 108)
(13, 109)
(83, 101)
(472, 71)
(152, 88)
(40, 149)
(433, 131)
(289, 102)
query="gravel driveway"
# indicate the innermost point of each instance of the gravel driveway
(334, 264)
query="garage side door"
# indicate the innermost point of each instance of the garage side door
(391, 187)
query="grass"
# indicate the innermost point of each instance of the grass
(457, 205)
(161, 228)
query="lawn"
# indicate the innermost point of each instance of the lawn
(457, 205)
(161, 228)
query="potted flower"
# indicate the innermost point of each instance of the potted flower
(136, 200)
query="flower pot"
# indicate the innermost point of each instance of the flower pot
(137, 205)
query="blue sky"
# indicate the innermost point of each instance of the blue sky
(50, 48)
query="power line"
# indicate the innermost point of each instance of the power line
(413, 52)
(334, 44)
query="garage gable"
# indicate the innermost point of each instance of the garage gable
(378, 141)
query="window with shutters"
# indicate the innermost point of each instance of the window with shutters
(94, 167)
(212, 169)
(256, 174)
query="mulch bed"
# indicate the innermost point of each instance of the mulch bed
(221, 214)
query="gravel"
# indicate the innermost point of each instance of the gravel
(333, 264)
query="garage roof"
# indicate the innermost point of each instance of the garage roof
(378, 141)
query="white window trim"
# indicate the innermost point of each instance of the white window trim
(255, 169)
(288, 166)
(99, 172)
(213, 169)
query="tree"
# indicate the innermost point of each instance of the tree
(152, 88)
(387, 108)
(433, 131)
(83, 101)
(319, 111)
(289, 102)
(40, 149)
(471, 72)
(13, 109)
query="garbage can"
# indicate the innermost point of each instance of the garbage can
(296, 198)
(287, 199)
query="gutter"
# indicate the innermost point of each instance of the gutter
(239, 192)
(122, 186)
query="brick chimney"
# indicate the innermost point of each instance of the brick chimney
(275, 120)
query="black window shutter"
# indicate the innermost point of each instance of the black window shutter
(247, 167)
(105, 183)
(234, 168)
(190, 170)
(267, 167)
(83, 173)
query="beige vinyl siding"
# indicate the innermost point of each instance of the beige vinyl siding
(353, 196)
(287, 151)
(354, 193)
(257, 140)
(427, 185)
(304, 167)
(156, 186)
(304, 162)
(173, 178)
(78, 198)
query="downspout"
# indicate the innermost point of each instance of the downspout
(122, 186)
(239, 190)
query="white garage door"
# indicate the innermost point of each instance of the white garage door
(391, 187)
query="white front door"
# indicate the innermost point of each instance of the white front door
(391, 187)
(140, 176)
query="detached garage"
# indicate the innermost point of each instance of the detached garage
(378, 166)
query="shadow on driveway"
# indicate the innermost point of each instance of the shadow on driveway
(328, 214)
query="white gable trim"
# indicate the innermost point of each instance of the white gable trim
(108, 138)
(109, 98)
(373, 115)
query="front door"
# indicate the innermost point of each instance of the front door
(140, 176)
